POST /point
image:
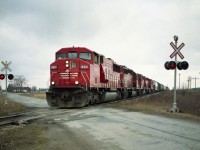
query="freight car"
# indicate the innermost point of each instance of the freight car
(81, 77)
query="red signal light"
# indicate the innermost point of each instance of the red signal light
(2, 76)
(172, 64)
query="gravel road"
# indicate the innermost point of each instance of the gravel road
(107, 128)
(28, 101)
(103, 128)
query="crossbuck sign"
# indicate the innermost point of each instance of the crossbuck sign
(177, 50)
(6, 65)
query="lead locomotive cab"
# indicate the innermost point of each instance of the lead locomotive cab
(75, 78)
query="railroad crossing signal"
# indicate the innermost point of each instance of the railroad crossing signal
(175, 64)
(9, 76)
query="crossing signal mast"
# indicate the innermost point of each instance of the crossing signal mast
(6, 75)
(172, 65)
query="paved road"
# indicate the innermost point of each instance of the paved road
(103, 128)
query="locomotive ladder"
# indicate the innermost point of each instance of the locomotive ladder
(82, 73)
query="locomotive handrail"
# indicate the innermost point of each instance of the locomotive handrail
(85, 79)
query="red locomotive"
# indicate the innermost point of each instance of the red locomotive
(79, 77)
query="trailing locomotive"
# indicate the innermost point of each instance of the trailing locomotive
(81, 77)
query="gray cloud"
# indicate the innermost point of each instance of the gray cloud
(135, 33)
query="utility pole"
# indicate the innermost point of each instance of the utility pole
(189, 82)
(195, 78)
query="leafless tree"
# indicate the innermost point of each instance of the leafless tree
(20, 81)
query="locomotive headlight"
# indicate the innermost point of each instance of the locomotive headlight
(76, 82)
(67, 62)
(53, 83)
(67, 65)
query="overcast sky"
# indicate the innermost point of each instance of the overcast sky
(134, 33)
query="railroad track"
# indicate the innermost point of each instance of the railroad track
(26, 118)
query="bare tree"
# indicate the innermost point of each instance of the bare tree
(20, 81)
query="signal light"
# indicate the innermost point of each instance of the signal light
(2, 76)
(167, 65)
(10, 76)
(170, 65)
(182, 65)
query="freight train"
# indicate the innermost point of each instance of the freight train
(80, 77)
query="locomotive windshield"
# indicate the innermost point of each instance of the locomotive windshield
(60, 56)
(72, 55)
(85, 55)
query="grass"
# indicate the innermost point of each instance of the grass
(188, 103)
(11, 107)
(35, 95)
(22, 137)
(147, 104)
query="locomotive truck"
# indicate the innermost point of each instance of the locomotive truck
(81, 77)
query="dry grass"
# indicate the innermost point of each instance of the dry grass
(188, 103)
(23, 137)
(11, 107)
(148, 104)
(35, 95)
